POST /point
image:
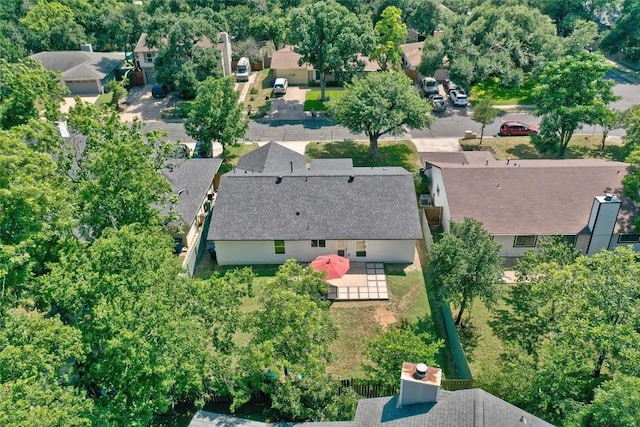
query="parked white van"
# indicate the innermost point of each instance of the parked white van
(243, 71)
(280, 86)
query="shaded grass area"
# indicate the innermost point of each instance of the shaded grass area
(312, 99)
(104, 99)
(391, 153)
(480, 345)
(514, 147)
(501, 95)
(258, 100)
(240, 150)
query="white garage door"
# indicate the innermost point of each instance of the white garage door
(83, 87)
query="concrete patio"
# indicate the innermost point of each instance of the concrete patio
(363, 281)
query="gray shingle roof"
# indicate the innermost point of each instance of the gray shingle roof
(355, 203)
(462, 408)
(190, 180)
(542, 197)
(80, 65)
(271, 157)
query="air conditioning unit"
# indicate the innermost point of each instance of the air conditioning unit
(426, 200)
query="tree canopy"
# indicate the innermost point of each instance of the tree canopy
(390, 33)
(381, 103)
(466, 265)
(330, 38)
(569, 93)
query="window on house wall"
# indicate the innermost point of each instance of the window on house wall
(341, 247)
(361, 248)
(148, 57)
(629, 238)
(318, 243)
(525, 241)
(278, 245)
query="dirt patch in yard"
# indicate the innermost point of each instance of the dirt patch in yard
(385, 317)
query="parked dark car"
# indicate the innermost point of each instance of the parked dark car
(449, 86)
(159, 91)
(516, 129)
(438, 103)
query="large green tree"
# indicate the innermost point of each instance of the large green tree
(569, 93)
(40, 359)
(624, 37)
(570, 322)
(118, 179)
(153, 336)
(216, 116)
(28, 90)
(381, 103)
(403, 343)
(51, 25)
(184, 57)
(466, 265)
(330, 38)
(390, 33)
(631, 181)
(616, 404)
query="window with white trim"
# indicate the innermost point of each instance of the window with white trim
(525, 241)
(148, 57)
(318, 243)
(361, 248)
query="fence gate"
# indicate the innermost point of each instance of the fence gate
(434, 215)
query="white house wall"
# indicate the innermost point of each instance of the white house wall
(263, 252)
(507, 249)
(613, 243)
(440, 197)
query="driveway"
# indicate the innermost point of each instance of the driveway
(289, 106)
(69, 101)
(141, 104)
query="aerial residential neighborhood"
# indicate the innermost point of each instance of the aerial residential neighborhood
(410, 213)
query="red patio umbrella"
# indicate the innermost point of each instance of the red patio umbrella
(335, 265)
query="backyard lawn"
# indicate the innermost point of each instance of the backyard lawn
(520, 147)
(312, 99)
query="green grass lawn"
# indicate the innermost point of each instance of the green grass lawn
(391, 153)
(105, 98)
(259, 96)
(520, 147)
(312, 99)
(502, 96)
(480, 345)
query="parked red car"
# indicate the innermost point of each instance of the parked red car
(516, 129)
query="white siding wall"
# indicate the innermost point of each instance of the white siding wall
(262, 252)
(613, 243)
(440, 198)
(507, 249)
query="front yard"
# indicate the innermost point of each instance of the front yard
(312, 99)
(520, 147)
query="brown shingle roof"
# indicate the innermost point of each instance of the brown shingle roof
(542, 197)
(141, 45)
(287, 58)
(413, 52)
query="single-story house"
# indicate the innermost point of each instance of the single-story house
(421, 402)
(411, 59)
(84, 72)
(519, 201)
(145, 55)
(192, 182)
(280, 209)
(284, 63)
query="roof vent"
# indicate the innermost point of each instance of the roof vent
(421, 371)
(351, 178)
(86, 47)
(278, 180)
(608, 197)
(523, 420)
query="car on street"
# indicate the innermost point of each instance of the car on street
(516, 129)
(429, 86)
(438, 104)
(459, 97)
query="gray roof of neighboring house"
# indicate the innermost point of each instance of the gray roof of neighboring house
(466, 157)
(462, 408)
(540, 197)
(317, 203)
(271, 157)
(80, 65)
(190, 180)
